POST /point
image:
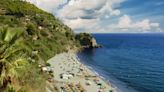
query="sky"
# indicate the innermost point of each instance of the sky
(107, 16)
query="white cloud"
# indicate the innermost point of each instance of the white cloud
(125, 23)
(48, 5)
(115, 12)
(90, 15)
(144, 25)
(86, 14)
(82, 23)
(155, 24)
(85, 8)
(107, 8)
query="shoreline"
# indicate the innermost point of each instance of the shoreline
(108, 81)
(71, 72)
(98, 74)
(117, 84)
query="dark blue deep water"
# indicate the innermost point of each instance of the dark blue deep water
(132, 62)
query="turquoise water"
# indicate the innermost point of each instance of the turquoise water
(132, 62)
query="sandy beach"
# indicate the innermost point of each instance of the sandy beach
(70, 75)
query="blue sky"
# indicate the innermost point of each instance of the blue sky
(140, 9)
(108, 16)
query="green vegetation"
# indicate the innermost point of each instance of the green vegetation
(87, 40)
(84, 38)
(29, 37)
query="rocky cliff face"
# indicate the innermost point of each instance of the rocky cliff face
(94, 43)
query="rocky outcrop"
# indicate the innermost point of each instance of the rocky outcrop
(87, 40)
(94, 43)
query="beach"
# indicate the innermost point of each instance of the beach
(70, 75)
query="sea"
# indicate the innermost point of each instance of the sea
(131, 62)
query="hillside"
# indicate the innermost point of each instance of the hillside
(29, 37)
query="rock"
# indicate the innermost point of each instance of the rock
(94, 43)
(87, 40)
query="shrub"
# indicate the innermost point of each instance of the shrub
(48, 64)
(31, 28)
